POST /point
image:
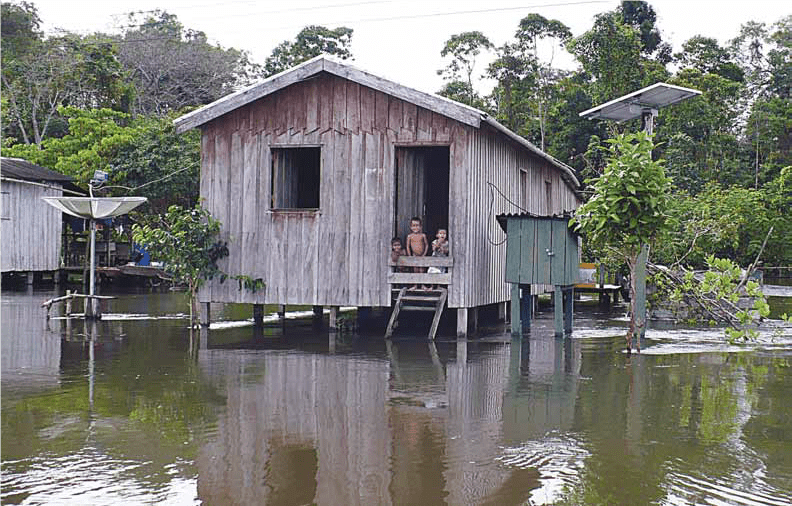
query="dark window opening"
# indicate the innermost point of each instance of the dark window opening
(295, 178)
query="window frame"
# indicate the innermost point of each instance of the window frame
(272, 208)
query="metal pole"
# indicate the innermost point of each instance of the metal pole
(91, 286)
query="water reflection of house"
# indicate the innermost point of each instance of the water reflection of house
(335, 429)
(31, 352)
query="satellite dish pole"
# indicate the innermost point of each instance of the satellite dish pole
(644, 103)
(92, 208)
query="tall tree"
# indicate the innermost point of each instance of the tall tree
(312, 41)
(534, 28)
(63, 70)
(173, 67)
(464, 48)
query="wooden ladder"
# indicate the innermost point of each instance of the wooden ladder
(419, 300)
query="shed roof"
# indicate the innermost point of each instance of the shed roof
(28, 171)
(324, 63)
(502, 219)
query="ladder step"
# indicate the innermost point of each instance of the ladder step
(418, 308)
(421, 298)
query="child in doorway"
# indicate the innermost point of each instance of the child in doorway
(396, 252)
(439, 249)
(417, 244)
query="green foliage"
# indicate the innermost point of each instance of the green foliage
(730, 222)
(143, 156)
(628, 208)
(312, 41)
(187, 241)
(464, 48)
(161, 165)
(720, 287)
(630, 201)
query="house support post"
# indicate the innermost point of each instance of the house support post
(333, 318)
(526, 307)
(569, 304)
(282, 311)
(502, 311)
(474, 317)
(516, 324)
(258, 315)
(558, 310)
(462, 322)
(30, 275)
(204, 313)
(521, 310)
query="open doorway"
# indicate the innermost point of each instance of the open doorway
(422, 177)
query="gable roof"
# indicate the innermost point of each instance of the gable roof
(324, 63)
(28, 171)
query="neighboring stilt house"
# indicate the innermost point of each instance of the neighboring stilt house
(312, 171)
(30, 229)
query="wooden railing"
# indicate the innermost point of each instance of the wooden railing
(420, 278)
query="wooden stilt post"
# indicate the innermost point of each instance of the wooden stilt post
(68, 303)
(282, 311)
(30, 275)
(526, 312)
(474, 316)
(502, 311)
(558, 310)
(462, 322)
(333, 318)
(258, 315)
(516, 314)
(569, 298)
(205, 316)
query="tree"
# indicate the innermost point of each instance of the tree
(611, 53)
(534, 28)
(628, 209)
(143, 156)
(464, 48)
(186, 240)
(173, 67)
(312, 41)
(707, 56)
(58, 71)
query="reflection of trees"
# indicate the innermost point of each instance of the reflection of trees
(142, 403)
(659, 423)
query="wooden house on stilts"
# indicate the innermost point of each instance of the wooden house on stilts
(314, 170)
(30, 229)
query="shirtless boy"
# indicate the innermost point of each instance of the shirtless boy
(417, 244)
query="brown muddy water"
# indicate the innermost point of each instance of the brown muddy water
(136, 410)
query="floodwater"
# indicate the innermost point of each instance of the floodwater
(136, 410)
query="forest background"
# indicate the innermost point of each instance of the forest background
(79, 103)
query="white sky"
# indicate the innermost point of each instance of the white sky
(401, 39)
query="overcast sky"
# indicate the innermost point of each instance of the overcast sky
(401, 39)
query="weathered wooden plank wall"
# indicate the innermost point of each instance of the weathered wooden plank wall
(338, 254)
(30, 228)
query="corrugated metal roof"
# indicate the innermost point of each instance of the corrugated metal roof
(503, 218)
(23, 169)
